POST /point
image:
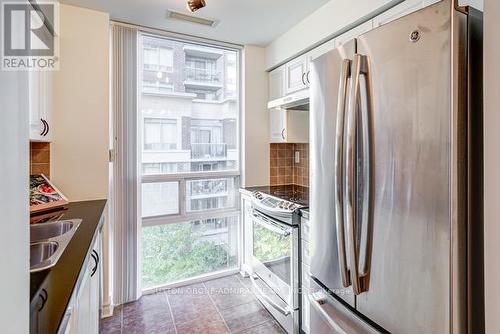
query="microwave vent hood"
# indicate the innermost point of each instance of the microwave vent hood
(296, 101)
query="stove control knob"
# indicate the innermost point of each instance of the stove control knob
(293, 207)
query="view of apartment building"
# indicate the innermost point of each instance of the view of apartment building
(189, 111)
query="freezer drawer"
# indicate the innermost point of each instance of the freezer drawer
(330, 316)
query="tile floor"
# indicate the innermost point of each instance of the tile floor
(223, 305)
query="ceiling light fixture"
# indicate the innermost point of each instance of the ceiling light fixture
(172, 14)
(194, 5)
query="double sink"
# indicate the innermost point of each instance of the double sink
(48, 241)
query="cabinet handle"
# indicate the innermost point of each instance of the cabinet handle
(95, 256)
(307, 77)
(303, 80)
(43, 297)
(283, 133)
(46, 127)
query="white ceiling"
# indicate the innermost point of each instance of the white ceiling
(256, 22)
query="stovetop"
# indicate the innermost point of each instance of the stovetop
(290, 192)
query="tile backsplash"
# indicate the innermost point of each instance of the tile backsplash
(40, 158)
(284, 169)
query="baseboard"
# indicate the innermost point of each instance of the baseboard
(107, 311)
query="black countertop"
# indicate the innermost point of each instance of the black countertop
(61, 280)
(290, 192)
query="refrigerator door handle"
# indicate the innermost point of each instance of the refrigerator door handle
(339, 145)
(359, 282)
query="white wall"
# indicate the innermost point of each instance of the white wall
(255, 120)
(325, 21)
(14, 222)
(79, 152)
(331, 17)
(492, 165)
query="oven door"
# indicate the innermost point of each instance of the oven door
(275, 255)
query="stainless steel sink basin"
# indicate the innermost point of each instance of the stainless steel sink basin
(41, 252)
(50, 230)
(48, 242)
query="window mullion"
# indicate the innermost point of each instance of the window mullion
(182, 195)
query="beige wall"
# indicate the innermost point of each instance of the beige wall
(79, 151)
(255, 120)
(492, 165)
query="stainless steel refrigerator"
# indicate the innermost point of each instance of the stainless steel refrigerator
(396, 178)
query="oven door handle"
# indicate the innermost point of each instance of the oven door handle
(284, 311)
(268, 224)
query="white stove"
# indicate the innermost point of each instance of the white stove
(274, 207)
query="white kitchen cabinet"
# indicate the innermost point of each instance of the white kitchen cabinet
(84, 318)
(353, 33)
(277, 83)
(295, 74)
(40, 105)
(289, 126)
(404, 8)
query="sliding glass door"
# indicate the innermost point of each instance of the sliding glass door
(189, 159)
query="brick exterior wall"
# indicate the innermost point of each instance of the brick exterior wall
(186, 133)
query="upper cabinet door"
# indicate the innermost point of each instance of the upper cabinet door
(353, 33)
(277, 124)
(396, 12)
(295, 75)
(40, 105)
(277, 83)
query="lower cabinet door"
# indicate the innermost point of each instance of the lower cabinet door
(306, 311)
(83, 306)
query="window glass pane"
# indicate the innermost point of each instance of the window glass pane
(197, 86)
(210, 194)
(161, 198)
(178, 251)
(160, 134)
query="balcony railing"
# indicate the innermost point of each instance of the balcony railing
(208, 151)
(202, 75)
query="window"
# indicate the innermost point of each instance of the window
(178, 251)
(158, 58)
(201, 69)
(160, 134)
(202, 94)
(157, 87)
(189, 160)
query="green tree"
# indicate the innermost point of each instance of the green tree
(178, 251)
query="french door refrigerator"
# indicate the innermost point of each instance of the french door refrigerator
(396, 178)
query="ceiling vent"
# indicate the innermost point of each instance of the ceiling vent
(172, 14)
